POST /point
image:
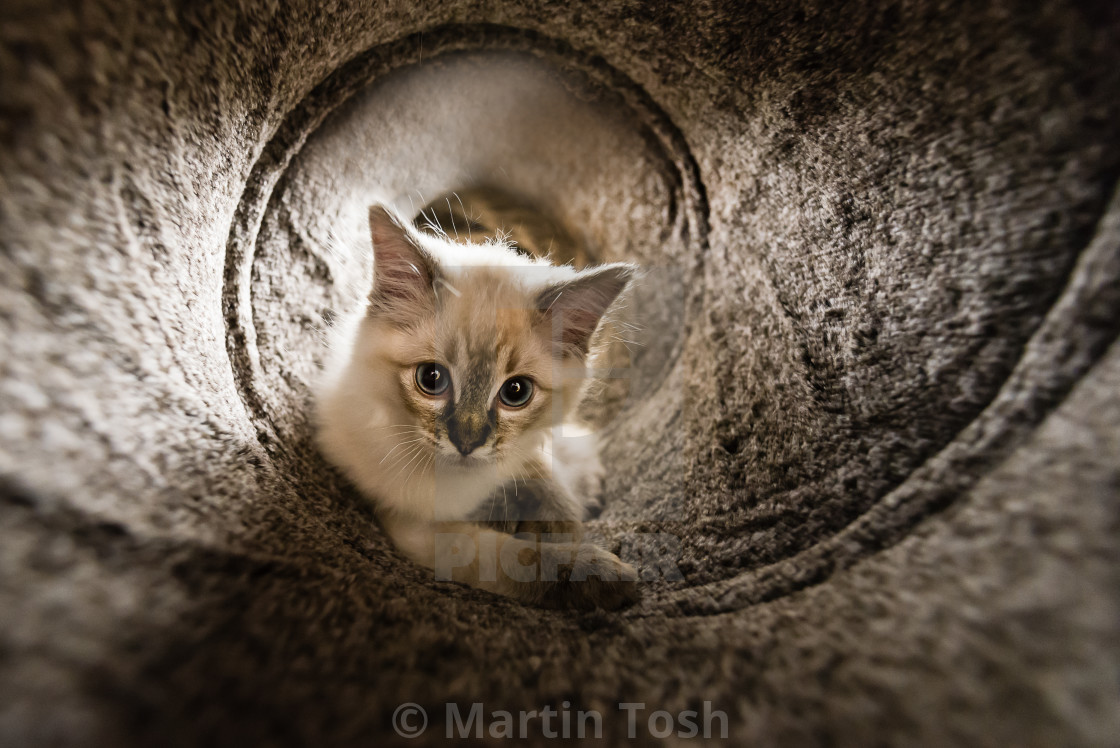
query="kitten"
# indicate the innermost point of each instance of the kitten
(446, 404)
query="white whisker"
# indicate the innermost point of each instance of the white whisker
(451, 213)
(466, 216)
(418, 453)
(398, 446)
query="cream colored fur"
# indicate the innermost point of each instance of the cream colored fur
(384, 433)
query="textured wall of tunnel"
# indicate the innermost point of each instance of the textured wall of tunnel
(873, 387)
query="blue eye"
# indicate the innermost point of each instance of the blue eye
(516, 391)
(432, 379)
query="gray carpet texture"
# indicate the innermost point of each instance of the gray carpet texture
(867, 453)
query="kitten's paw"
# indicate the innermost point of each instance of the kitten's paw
(594, 578)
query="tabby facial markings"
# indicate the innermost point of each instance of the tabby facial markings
(512, 328)
(512, 359)
(417, 403)
(468, 430)
(469, 419)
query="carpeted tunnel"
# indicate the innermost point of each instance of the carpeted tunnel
(868, 447)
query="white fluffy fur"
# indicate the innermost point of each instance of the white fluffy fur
(359, 410)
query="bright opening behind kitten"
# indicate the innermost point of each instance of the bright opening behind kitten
(451, 403)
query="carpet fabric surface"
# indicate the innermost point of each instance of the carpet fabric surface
(869, 449)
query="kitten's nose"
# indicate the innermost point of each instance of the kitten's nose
(466, 439)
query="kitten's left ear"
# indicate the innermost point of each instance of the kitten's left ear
(572, 310)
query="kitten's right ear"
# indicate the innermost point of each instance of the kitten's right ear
(403, 273)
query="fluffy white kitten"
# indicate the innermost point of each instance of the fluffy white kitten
(451, 405)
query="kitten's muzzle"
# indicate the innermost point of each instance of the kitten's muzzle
(468, 436)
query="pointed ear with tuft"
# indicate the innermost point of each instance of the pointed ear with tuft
(571, 310)
(403, 273)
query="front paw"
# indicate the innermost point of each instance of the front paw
(594, 578)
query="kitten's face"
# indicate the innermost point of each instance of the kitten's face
(474, 362)
(476, 377)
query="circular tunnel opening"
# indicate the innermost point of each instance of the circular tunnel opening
(564, 135)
